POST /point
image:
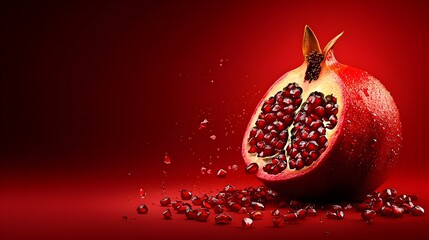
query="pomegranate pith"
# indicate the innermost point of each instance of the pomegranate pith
(324, 131)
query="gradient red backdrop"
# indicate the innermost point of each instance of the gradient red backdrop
(94, 94)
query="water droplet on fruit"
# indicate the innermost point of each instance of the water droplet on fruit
(213, 137)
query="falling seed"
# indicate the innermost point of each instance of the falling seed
(203, 124)
(203, 170)
(213, 137)
(221, 173)
(167, 159)
(142, 193)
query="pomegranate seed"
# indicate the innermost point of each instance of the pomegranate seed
(271, 100)
(242, 210)
(202, 215)
(253, 132)
(397, 211)
(277, 221)
(377, 204)
(258, 206)
(386, 210)
(165, 201)
(185, 195)
(270, 118)
(182, 209)
(335, 214)
(417, 211)
(176, 204)
(266, 108)
(287, 101)
(290, 217)
(388, 193)
(223, 218)
(296, 92)
(142, 193)
(287, 120)
(322, 140)
(206, 204)
(407, 206)
(301, 213)
(259, 135)
(311, 211)
(368, 214)
(142, 209)
(247, 223)
(221, 173)
(275, 212)
(252, 149)
(260, 123)
(277, 107)
(288, 110)
(312, 145)
(167, 159)
(234, 206)
(252, 168)
(267, 151)
(279, 126)
(218, 209)
(256, 215)
(283, 135)
(297, 102)
(196, 201)
(316, 124)
(299, 164)
(167, 214)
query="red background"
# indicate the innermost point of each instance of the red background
(94, 94)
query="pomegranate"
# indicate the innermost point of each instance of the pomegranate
(324, 131)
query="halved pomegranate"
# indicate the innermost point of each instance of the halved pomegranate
(323, 131)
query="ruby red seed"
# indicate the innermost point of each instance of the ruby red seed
(247, 223)
(142, 209)
(368, 214)
(167, 214)
(223, 218)
(165, 201)
(185, 195)
(221, 173)
(417, 211)
(256, 215)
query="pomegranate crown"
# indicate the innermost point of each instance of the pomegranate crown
(310, 43)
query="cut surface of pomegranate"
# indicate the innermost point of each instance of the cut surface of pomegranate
(323, 131)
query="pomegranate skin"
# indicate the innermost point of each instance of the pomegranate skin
(362, 152)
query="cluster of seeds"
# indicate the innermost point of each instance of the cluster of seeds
(308, 140)
(313, 68)
(252, 202)
(307, 135)
(270, 134)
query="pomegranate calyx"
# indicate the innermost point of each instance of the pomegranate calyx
(331, 44)
(310, 42)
